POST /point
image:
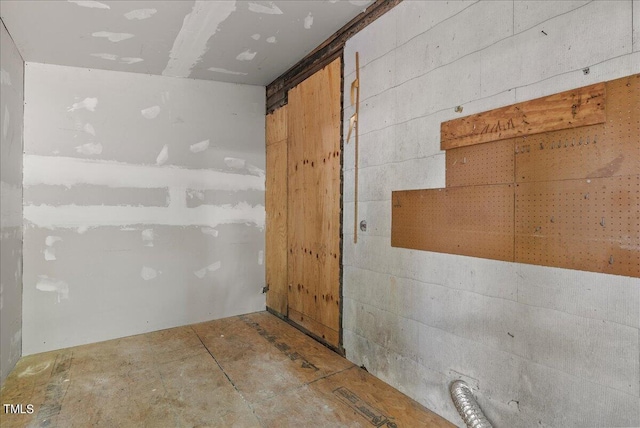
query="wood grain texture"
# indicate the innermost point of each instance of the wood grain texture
(276, 226)
(604, 150)
(315, 328)
(314, 121)
(470, 220)
(570, 109)
(591, 225)
(276, 211)
(276, 126)
(249, 371)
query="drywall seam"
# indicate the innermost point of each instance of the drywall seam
(74, 216)
(197, 28)
(65, 171)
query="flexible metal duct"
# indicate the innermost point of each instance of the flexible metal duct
(467, 406)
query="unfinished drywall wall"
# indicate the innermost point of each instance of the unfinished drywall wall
(143, 203)
(11, 113)
(541, 346)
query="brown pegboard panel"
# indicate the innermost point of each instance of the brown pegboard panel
(489, 163)
(603, 150)
(473, 220)
(569, 109)
(590, 224)
(562, 155)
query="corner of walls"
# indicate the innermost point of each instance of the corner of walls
(534, 342)
(11, 147)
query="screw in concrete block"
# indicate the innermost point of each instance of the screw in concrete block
(586, 71)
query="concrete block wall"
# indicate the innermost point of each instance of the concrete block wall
(11, 120)
(143, 203)
(542, 346)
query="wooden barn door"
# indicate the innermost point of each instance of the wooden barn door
(312, 119)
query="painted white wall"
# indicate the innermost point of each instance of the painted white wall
(143, 203)
(543, 346)
(11, 119)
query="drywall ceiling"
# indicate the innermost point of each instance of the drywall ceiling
(250, 42)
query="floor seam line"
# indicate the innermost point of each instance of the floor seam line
(228, 378)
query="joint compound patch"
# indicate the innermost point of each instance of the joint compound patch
(163, 156)
(364, 409)
(199, 147)
(211, 268)
(269, 9)
(148, 273)
(89, 149)
(53, 285)
(150, 112)
(90, 4)
(87, 104)
(112, 37)
(247, 55)
(225, 71)
(308, 21)
(140, 14)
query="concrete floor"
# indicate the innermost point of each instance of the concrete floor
(248, 371)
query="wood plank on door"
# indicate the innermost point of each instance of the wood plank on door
(276, 210)
(314, 153)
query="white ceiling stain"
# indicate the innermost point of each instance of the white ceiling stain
(112, 57)
(256, 37)
(140, 14)
(197, 27)
(151, 112)
(130, 60)
(163, 156)
(90, 149)
(90, 4)
(308, 21)
(112, 37)
(88, 104)
(5, 78)
(225, 71)
(199, 147)
(246, 55)
(269, 9)
(107, 56)
(195, 39)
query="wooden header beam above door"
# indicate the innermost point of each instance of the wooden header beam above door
(324, 54)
